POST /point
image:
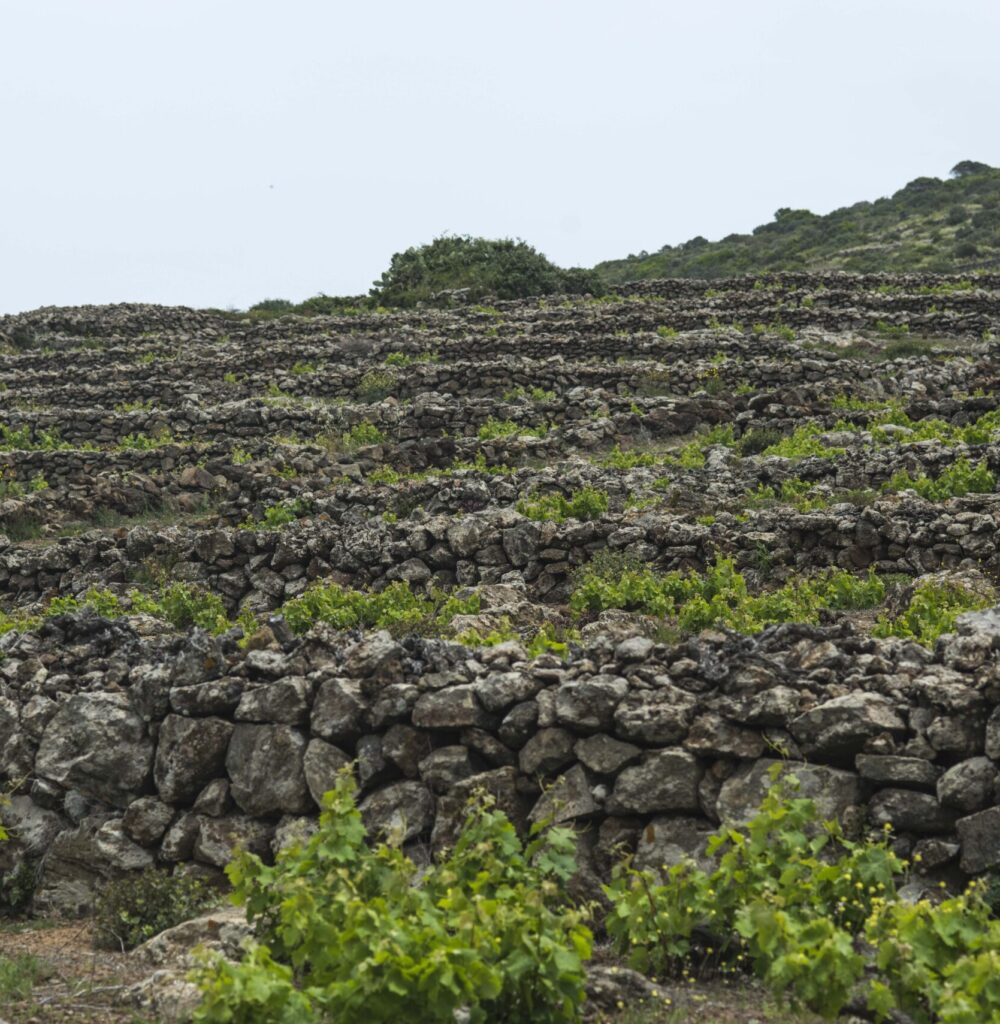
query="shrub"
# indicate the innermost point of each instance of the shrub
(397, 606)
(479, 266)
(494, 428)
(958, 479)
(18, 976)
(346, 933)
(376, 385)
(144, 443)
(720, 596)
(587, 503)
(363, 434)
(933, 609)
(130, 910)
(274, 307)
(184, 606)
(617, 458)
(802, 443)
(276, 516)
(786, 892)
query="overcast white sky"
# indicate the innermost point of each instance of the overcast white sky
(217, 152)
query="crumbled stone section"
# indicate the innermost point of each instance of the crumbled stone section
(140, 444)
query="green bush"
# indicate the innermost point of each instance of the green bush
(787, 893)
(354, 933)
(493, 429)
(618, 458)
(720, 596)
(132, 909)
(396, 607)
(586, 503)
(376, 385)
(184, 606)
(363, 434)
(794, 897)
(958, 479)
(505, 268)
(933, 609)
(18, 976)
(802, 443)
(276, 516)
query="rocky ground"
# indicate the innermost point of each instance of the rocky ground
(144, 449)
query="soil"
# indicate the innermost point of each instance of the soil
(79, 984)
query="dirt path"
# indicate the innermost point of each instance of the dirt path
(74, 983)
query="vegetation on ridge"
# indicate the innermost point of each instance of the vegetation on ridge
(928, 225)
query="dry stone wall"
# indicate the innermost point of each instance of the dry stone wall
(144, 750)
(141, 446)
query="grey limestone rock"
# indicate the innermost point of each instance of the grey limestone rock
(97, 744)
(190, 752)
(265, 767)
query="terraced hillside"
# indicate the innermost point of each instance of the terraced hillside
(607, 558)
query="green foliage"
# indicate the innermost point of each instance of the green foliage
(240, 457)
(177, 603)
(144, 443)
(888, 330)
(346, 934)
(960, 478)
(793, 492)
(621, 459)
(134, 908)
(363, 434)
(273, 306)
(183, 606)
(802, 443)
(895, 233)
(276, 516)
(493, 429)
(21, 439)
(407, 359)
(786, 892)
(302, 368)
(396, 607)
(933, 609)
(385, 475)
(720, 596)
(586, 503)
(505, 268)
(376, 385)
(535, 394)
(18, 976)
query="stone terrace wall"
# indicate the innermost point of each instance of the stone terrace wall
(128, 751)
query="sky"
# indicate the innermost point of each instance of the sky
(219, 152)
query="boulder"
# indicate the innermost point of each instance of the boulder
(399, 812)
(654, 716)
(190, 752)
(321, 764)
(265, 767)
(664, 780)
(97, 744)
(569, 798)
(839, 728)
(832, 789)
(909, 811)
(968, 785)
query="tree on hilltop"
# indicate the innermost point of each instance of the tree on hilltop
(503, 267)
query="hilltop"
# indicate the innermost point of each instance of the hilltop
(928, 225)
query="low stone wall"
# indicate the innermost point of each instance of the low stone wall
(258, 569)
(126, 750)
